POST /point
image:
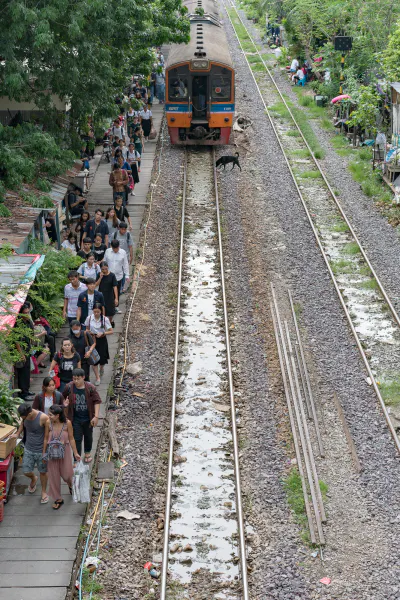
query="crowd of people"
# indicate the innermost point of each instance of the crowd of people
(57, 421)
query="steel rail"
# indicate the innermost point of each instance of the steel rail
(307, 458)
(303, 368)
(167, 518)
(305, 425)
(324, 256)
(294, 432)
(239, 507)
(331, 192)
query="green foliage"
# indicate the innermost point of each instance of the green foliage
(391, 56)
(28, 155)
(390, 389)
(47, 293)
(83, 51)
(9, 403)
(366, 113)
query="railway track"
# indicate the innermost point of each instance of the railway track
(372, 318)
(204, 550)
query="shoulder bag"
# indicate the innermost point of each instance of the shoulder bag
(94, 358)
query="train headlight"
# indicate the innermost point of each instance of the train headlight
(199, 64)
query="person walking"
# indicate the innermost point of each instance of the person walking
(70, 244)
(100, 327)
(58, 454)
(72, 291)
(146, 121)
(87, 300)
(86, 248)
(81, 340)
(35, 425)
(117, 261)
(67, 360)
(80, 227)
(118, 181)
(133, 158)
(97, 226)
(112, 221)
(108, 286)
(121, 211)
(137, 142)
(82, 403)
(125, 240)
(89, 269)
(99, 248)
(47, 397)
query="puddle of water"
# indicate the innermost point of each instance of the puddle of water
(204, 491)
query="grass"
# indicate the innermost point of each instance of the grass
(366, 271)
(340, 226)
(254, 59)
(280, 109)
(351, 248)
(390, 390)
(309, 175)
(343, 266)
(301, 153)
(308, 133)
(295, 499)
(293, 133)
(305, 100)
(358, 171)
(369, 284)
(339, 141)
(327, 124)
(257, 67)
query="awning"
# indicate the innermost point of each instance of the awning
(17, 273)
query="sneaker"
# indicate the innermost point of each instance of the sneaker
(97, 382)
(139, 170)
(117, 310)
(133, 194)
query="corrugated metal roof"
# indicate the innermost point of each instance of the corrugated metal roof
(14, 268)
(396, 86)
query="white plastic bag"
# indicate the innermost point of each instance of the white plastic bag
(81, 483)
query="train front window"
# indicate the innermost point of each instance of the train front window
(178, 86)
(221, 86)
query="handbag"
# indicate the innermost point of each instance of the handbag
(94, 357)
(153, 133)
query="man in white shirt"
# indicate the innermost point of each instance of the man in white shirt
(117, 261)
(294, 66)
(71, 294)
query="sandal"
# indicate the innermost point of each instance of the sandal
(57, 504)
(44, 500)
(70, 489)
(32, 490)
(88, 458)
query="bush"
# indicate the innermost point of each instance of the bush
(9, 403)
(47, 293)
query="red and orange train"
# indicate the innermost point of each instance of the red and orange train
(200, 81)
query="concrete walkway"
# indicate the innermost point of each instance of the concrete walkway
(38, 545)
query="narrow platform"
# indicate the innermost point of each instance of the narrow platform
(37, 544)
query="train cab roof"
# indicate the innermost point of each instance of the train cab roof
(206, 36)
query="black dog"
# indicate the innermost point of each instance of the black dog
(224, 160)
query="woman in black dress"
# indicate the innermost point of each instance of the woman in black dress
(108, 286)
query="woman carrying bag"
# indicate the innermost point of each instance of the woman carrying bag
(57, 452)
(100, 327)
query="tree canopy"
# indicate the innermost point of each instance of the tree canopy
(82, 51)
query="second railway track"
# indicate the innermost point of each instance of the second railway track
(204, 551)
(372, 317)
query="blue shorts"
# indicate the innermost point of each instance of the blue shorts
(32, 459)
